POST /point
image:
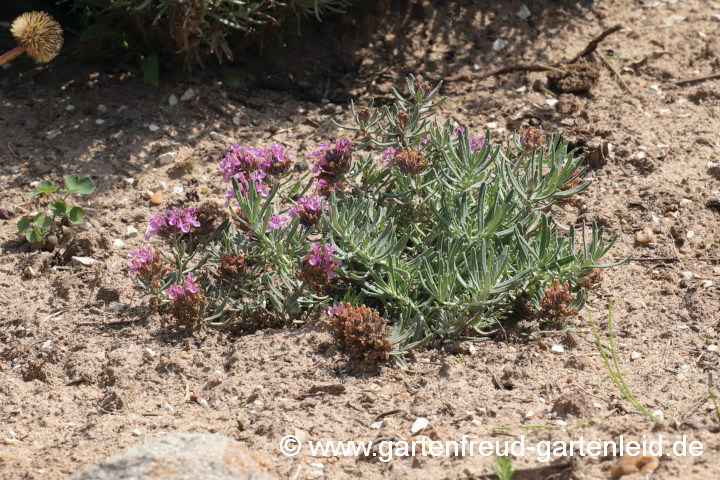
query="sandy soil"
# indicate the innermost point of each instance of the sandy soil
(85, 371)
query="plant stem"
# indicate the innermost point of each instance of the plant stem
(12, 54)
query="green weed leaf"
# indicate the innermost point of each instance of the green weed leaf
(76, 184)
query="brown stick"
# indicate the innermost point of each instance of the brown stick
(12, 54)
(693, 80)
(594, 43)
(615, 72)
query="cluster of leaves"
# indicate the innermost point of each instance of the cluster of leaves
(39, 226)
(441, 233)
(192, 28)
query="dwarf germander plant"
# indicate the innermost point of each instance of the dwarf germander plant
(440, 233)
(35, 228)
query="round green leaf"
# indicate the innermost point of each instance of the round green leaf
(76, 214)
(76, 184)
(23, 224)
(33, 235)
(46, 186)
(58, 208)
(42, 221)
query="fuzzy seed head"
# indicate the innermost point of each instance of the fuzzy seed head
(40, 34)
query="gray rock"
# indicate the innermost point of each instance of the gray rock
(181, 456)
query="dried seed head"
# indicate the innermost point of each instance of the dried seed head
(40, 34)
(363, 115)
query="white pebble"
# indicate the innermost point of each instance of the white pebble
(173, 100)
(128, 180)
(99, 121)
(377, 425)
(117, 243)
(167, 157)
(70, 108)
(137, 433)
(551, 101)
(188, 95)
(690, 234)
(707, 283)
(491, 125)
(557, 349)
(419, 424)
(131, 231)
(498, 44)
(529, 415)
(523, 13)
(178, 190)
(153, 127)
(635, 355)
(688, 275)
(658, 414)
(712, 348)
(84, 261)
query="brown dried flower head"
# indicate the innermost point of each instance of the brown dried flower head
(187, 310)
(231, 266)
(208, 215)
(531, 137)
(402, 119)
(556, 304)
(411, 162)
(364, 115)
(360, 331)
(40, 34)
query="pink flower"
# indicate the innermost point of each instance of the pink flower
(178, 290)
(276, 222)
(332, 162)
(338, 308)
(171, 221)
(321, 257)
(389, 156)
(142, 257)
(241, 159)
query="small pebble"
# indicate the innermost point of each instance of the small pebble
(377, 425)
(707, 283)
(137, 433)
(117, 243)
(715, 17)
(202, 402)
(131, 232)
(102, 109)
(419, 424)
(644, 236)
(188, 95)
(635, 355)
(236, 120)
(173, 100)
(70, 108)
(712, 348)
(99, 121)
(84, 261)
(523, 13)
(551, 101)
(218, 137)
(29, 272)
(528, 415)
(153, 127)
(557, 349)
(157, 198)
(167, 158)
(688, 275)
(498, 44)
(128, 180)
(178, 190)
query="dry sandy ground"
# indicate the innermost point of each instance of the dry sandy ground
(82, 378)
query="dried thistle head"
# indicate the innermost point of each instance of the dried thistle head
(556, 304)
(411, 162)
(531, 138)
(361, 331)
(39, 34)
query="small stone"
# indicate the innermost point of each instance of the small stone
(153, 128)
(528, 415)
(159, 186)
(102, 109)
(377, 425)
(117, 243)
(70, 108)
(51, 243)
(188, 95)
(628, 464)
(712, 348)
(688, 275)
(635, 355)
(178, 190)
(116, 306)
(202, 402)
(523, 13)
(157, 197)
(99, 121)
(167, 158)
(29, 272)
(715, 17)
(147, 194)
(707, 283)
(690, 234)
(128, 181)
(173, 100)
(131, 232)
(557, 349)
(658, 414)
(84, 225)
(137, 433)
(419, 424)
(644, 236)
(218, 137)
(84, 261)
(551, 101)
(166, 407)
(561, 423)
(237, 120)
(491, 125)
(638, 155)
(300, 166)
(654, 89)
(498, 44)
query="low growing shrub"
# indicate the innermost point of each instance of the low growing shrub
(440, 233)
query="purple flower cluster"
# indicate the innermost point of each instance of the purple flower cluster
(476, 143)
(321, 258)
(332, 161)
(389, 156)
(309, 209)
(141, 257)
(252, 165)
(172, 221)
(178, 290)
(276, 222)
(337, 309)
